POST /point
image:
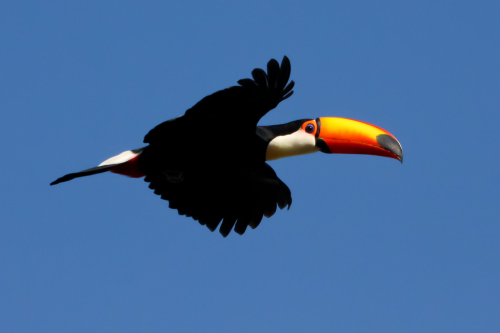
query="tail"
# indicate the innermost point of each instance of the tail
(123, 164)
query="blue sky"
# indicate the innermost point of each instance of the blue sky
(369, 245)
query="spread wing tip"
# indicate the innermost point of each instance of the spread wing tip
(274, 80)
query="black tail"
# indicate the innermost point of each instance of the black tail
(88, 172)
(103, 167)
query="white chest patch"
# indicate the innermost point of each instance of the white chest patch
(297, 143)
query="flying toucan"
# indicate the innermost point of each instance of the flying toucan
(210, 163)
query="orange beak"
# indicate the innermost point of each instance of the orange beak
(347, 136)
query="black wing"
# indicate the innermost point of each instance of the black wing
(241, 106)
(237, 199)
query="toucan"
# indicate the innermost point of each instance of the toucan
(210, 163)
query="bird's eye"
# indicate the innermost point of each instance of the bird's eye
(310, 128)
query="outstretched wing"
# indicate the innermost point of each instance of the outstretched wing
(242, 106)
(238, 200)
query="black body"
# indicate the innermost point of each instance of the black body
(210, 163)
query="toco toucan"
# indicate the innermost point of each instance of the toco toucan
(210, 163)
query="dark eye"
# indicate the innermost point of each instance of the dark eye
(310, 128)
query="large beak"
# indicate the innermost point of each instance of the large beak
(347, 136)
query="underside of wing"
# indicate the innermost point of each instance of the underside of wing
(236, 200)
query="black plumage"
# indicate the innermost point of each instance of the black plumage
(210, 163)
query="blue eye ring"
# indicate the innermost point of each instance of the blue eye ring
(309, 128)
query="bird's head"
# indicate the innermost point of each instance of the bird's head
(330, 135)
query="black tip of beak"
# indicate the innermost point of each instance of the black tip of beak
(389, 143)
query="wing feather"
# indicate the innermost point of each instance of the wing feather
(238, 200)
(260, 78)
(245, 104)
(273, 69)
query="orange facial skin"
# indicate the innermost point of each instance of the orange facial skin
(348, 136)
(310, 122)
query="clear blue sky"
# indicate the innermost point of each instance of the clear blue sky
(370, 245)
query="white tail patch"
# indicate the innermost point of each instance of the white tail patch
(121, 158)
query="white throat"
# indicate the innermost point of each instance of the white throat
(297, 143)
